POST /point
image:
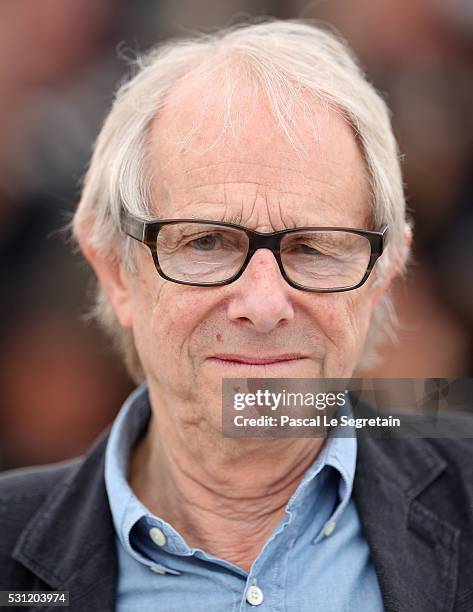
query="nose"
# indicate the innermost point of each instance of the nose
(261, 298)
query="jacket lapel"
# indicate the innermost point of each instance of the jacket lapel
(70, 542)
(415, 552)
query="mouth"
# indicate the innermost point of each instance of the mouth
(229, 359)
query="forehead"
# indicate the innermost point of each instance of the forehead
(219, 147)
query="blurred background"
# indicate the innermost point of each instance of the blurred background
(60, 62)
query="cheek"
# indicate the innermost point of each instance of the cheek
(358, 312)
(166, 316)
(148, 298)
(345, 318)
(178, 310)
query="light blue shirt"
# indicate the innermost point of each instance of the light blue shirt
(315, 560)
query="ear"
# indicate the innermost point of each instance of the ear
(381, 284)
(114, 278)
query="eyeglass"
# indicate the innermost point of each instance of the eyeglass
(206, 253)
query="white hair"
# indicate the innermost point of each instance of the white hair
(286, 59)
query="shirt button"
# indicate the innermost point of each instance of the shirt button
(157, 570)
(329, 528)
(254, 596)
(157, 536)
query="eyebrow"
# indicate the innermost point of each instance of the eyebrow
(218, 211)
(236, 218)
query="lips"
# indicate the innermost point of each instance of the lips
(249, 360)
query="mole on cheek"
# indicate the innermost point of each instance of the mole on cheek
(219, 337)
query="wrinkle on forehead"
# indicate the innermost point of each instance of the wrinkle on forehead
(199, 152)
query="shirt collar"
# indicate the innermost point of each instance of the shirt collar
(130, 422)
(339, 451)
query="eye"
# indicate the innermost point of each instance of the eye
(305, 249)
(205, 243)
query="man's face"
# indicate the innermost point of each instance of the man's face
(189, 338)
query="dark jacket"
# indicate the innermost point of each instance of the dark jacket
(414, 498)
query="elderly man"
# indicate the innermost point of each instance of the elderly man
(244, 214)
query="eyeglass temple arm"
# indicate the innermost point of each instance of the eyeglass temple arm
(384, 237)
(132, 226)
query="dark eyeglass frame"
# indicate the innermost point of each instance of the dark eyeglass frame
(147, 233)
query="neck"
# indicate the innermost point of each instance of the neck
(224, 497)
